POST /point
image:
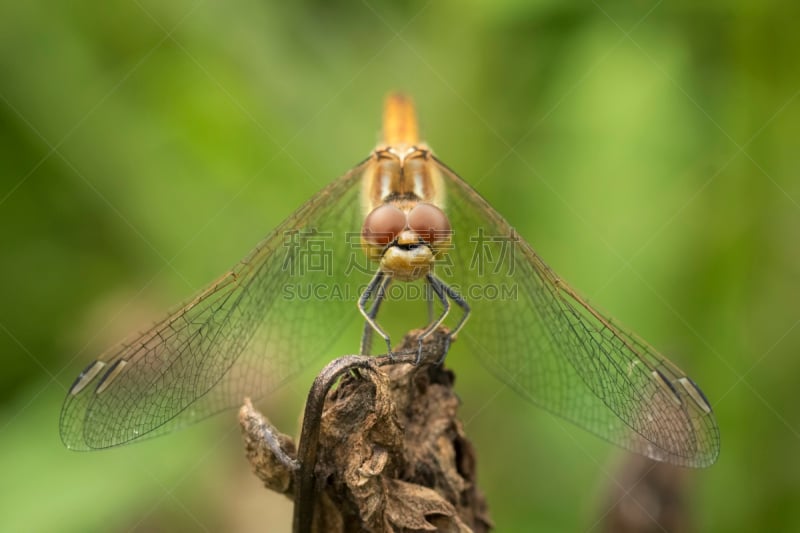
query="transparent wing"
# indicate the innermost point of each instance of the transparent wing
(539, 337)
(245, 335)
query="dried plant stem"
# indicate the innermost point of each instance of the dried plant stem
(381, 451)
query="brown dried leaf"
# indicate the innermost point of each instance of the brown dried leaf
(412, 507)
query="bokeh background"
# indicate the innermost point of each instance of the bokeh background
(648, 151)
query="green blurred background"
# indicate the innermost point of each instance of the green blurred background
(647, 150)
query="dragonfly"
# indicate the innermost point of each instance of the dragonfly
(399, 217)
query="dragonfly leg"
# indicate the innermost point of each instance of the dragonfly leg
(429, 301)
(378, 283)
(439, 289)
(459, 301)
(462, 303)
(366, 337)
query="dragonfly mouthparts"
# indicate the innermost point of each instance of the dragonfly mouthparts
(409, 246)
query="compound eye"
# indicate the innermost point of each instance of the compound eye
(430, 223)
(383, 225)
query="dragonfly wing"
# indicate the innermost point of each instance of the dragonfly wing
(539, 337)
(245, 335)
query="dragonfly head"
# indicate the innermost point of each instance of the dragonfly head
(405, 237)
